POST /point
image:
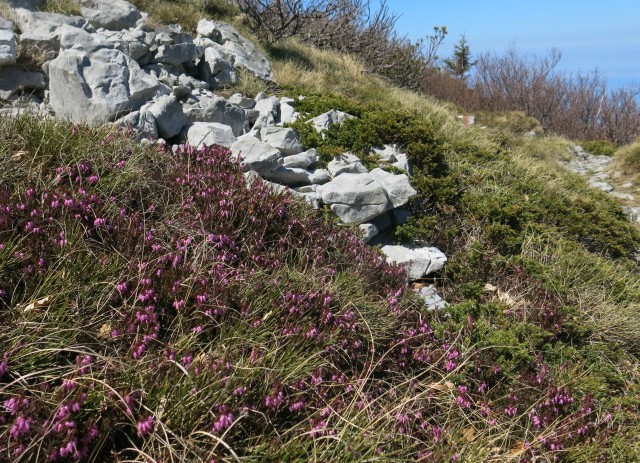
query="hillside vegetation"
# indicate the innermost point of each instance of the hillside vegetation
(155, 307)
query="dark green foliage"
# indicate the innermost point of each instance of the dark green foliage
(461, 62)
(372, 127)
(599, 147)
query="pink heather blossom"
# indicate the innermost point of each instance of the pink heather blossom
(146, 426)
(536, 421)
(511, 411)
(20, 427)
(223, 422)
(297, 406)
(437, 432)
(68, 449)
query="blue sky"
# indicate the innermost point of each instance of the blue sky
(590, 34)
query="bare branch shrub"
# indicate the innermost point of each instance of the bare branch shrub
(350, 26)
(577, 106)
(442, 85)
(273, 20)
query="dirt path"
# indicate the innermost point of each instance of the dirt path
(601, 174)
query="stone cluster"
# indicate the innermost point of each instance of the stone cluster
(107, 65)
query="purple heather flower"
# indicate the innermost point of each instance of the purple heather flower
(20, 427)
(146, 426)
(223, 422)
(511, 411)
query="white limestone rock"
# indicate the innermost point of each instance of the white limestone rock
(176, 54)
(302, 160)
(170, 118)
(289, 176)
(326, 120)
(417, 261)
(201, 134)
(96, 86)
(355, 198)
(143, 123)
(246, 54)
(368, 230)
(285, 140)
(40, 31)
(431, 298)
(256, 155)
(110, 14)
(7, 43)
(206, 107)
(241, 101)
(397, 187)
(320, 177)
(346, 163)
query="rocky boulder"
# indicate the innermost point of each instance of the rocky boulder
(216, 67)
(368, 230)
(302, 160)
(7, 43)
(96, 86)
(246, 54)
(431, 298)
(417, 261)
(285, 140)
(288, 112)
(40, 31)
(354, 198)
(176, 54)
(241, 101)
(289, 176)
(359, 197)
(256, 155)
(110, 14)
(209, 133)
(346, 163)
(397, 187)
(135, 43)
(143, 123)
(326, 120)
(392, 154)
(170, 119)
(205, 107)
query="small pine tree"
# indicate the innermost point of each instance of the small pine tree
(460, 63)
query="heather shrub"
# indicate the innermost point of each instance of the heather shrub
(156, 306)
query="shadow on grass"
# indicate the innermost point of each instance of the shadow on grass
(284, 53)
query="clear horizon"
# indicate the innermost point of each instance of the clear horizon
(589, 34)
